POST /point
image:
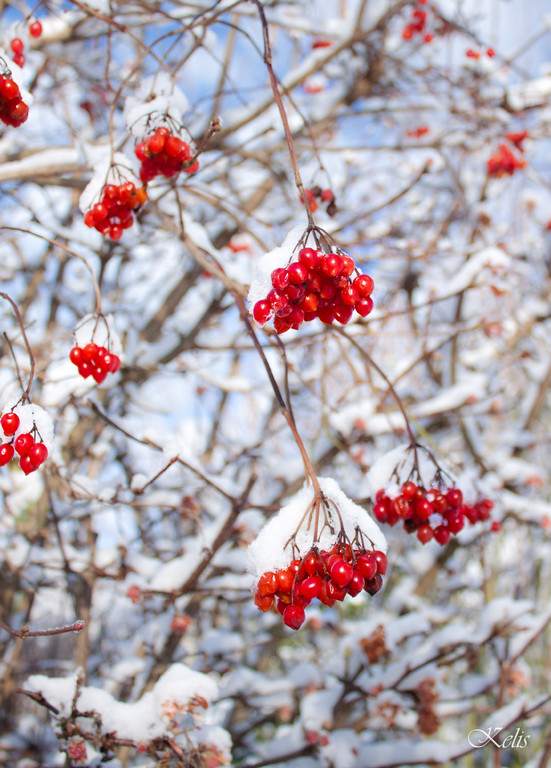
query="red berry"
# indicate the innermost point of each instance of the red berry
(89, 219)
(263, 602)
(19, 59)
(382, 562)
(332, 264)
(115, 364)
(267, 584)
(367, 565)
(280, 279)
(341, 573)
(364, 306)
(357, 583)
(364, 285)
(10, 423)
(490, 53)
(442, 535)
(17, 45)
(327, 195)
(38, 454)
(277, 300)
(155, 144)
(424, 533)
(26, 464)
(310, 587)
(35, 29)
(350, 295)
(99, 212)
(89, 352)
(297, 272)
(115, 232)
(348, 265)
(309, 257)
(293, 616)
(284, 579)
(343, 313)
(85, 369)
(454, 497)
(6, 453)
(456, 523)
(98, 374)
(23, 443)
(10, 89)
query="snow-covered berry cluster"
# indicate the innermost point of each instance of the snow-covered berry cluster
(114, 212)
(318, 285)
(164, 154)
(13, 110)
(335, 550)
(409, 486)
(28, 446)
(94, 360)
(437, 513)
(328, 575)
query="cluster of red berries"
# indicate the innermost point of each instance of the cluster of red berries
(417, 25)
(31, 453)
(114, 212)
(325, 195)
(328, 575)
(18, 46)
(317, 285)
(13, 110)
(163, 154)
(504, 162)
(93, 360)
(430, 512)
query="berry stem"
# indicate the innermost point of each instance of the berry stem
(25, 397)
(283, 114)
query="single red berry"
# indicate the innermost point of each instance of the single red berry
(98, 374)
(332, 264)
(456, 523)
(348, 265)
(267, 584)
(350, 295)
(335, 592)
(382, 562)
(23, 443)
(10, 423)
(454, 497)
(19, 59)
(309, 257)
(10, 89)
(277, 300)
(35, 29)
(357, 583)
(17, 45)
(495, 526)
(442, 534)
(293, 616)
(263, 602)
(85, 369)
(428, 38)
(327, 195)
(423, 509)
(343, 313)
(364, 306)
(99, 212)
(366, 565)
(38, 454)
(89, 352)
(424, 533)
(490, 53)
(407, 34)
(284, 579)
(298, 273)
(155, 144)
(310, 587)
(115, 232)
(26, 464)
(6, 453)
(364, 285)
(341, 573)
(89, 219)
(280, 279)
(116, 363)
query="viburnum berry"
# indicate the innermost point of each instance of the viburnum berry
(7, 453)
(10, 423)
(23, 443)
(35, 29)
(17, 45)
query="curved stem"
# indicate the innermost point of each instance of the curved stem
(26, 395)
(281, 108)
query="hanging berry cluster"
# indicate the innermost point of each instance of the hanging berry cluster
(335, 550)
(318, 285)
(93, 360)
(31, 451)
(164, 154)
(115, 211)
(328, 576)
(437, 513)
(13, 110)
